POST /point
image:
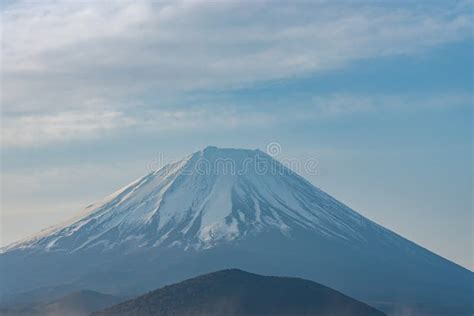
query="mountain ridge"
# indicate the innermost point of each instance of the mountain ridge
(201, 214)
(77, 303)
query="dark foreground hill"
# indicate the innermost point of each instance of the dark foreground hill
(79, 303)
(235, 292)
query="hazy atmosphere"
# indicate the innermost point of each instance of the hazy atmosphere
(95, 94)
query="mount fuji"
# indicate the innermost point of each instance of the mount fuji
(232, 208)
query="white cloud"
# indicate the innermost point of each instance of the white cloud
(39, 130)
(70, 69)
(345, 104)
(63, 53)
(36, 130)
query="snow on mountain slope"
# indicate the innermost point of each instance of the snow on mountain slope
(213, 196)
(221, 208)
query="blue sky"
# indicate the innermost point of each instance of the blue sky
(380, 94)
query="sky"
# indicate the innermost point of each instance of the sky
(95, 94)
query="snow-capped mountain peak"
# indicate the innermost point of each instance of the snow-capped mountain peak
(212, 196)
(220, 208)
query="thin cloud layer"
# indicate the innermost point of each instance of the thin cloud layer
(58, 57)
(39, 130)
